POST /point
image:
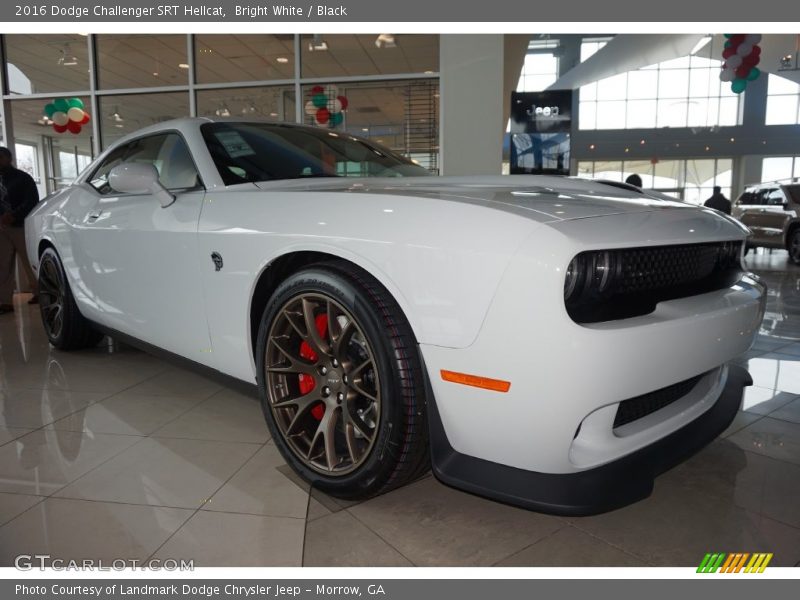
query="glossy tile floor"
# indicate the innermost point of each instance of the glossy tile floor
(116, 454)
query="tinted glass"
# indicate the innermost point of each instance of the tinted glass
(247, 152)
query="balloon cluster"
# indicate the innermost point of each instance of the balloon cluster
(741, 54)
(67, 114)
(325, 106)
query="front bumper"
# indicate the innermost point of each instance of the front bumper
(592, 491)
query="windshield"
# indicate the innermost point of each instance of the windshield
(249, 152)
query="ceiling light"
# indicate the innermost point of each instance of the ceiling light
(282, 59)
(365, 129)
(385, 40)
(223, 111)
(317, 44)
(67, 58)
(115, 116)
(183, 66)
(249, 109)
(273, 114)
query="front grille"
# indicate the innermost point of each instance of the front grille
(635, 408)
(635, 280)
(651, 269)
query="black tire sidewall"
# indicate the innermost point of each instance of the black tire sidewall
(795, 233)
(375, 470)
(51, 255)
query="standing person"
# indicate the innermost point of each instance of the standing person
(18, 196)
(719, 201)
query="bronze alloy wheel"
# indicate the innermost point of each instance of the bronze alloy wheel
(322, 384)
(51, 297)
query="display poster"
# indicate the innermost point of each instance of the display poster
(540, 132)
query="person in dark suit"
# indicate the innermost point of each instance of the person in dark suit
(719, 201)
(18, 196)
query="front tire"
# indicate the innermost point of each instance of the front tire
(65, 326)
(793, 245)
(341, 382)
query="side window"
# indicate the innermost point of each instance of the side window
(775, 198)
(166, 152)
(99, 179)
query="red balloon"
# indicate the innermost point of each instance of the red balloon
(751, 60)
(317, 89)
(85, 119)
(343, 100)
(737, 39)
(756, 51)
(323, 116)
(59, 128)
(74, 127)
(742, 72)
(728, 52)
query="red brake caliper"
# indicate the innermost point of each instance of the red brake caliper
(306, 381)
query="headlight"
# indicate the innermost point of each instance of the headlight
(574, 275)
(603, 272)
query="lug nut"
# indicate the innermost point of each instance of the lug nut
(345, 379)
(323, 370)
(335, 362)
(326, 391)
(340, 396)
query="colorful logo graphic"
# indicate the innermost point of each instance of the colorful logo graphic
(737, 562)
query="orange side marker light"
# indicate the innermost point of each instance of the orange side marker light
(486, 383)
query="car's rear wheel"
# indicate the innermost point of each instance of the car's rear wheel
(65, 326)
(341, 382)
(794, 245)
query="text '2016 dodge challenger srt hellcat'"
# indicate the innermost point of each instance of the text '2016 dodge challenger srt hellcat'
(550, 342)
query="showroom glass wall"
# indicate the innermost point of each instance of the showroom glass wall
(127, 82)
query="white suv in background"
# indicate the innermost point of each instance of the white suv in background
(772, 212)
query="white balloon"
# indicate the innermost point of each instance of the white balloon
(60, 118)
(310, 108)
(75, 114)
(334, 105)
(752, 38)
(744, 49)
(734, 61)
(727, 75)
(331, 91)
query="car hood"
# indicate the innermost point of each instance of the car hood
(539, 197)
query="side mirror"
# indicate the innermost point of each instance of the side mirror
(139, 178)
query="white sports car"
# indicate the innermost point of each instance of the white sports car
(550, 342)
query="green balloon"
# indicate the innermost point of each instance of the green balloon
(337, 118)
(49, 109)
(61, 105)
(320, 100)
(728, 44)
(75, 103)
(738, 85)
(753, 74)
(728, 35)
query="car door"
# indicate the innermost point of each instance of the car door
(144, 268)
(774, 217)
(747, 210)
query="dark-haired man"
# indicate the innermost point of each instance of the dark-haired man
(719, 201)
(18, 196)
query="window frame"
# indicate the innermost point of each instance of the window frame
(123, 144)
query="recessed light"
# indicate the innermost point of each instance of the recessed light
(365, 129)
(273, 114)
(183, 66)
(282, 59)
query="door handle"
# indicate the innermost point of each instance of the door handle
(94, 215)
